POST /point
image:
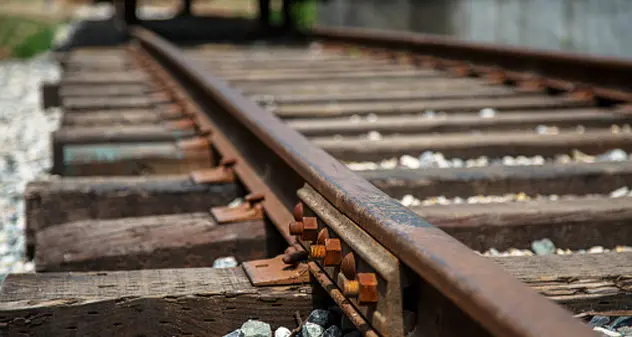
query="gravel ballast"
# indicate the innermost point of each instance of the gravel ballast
(24, 149)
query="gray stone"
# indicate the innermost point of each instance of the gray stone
(598, 321)
(319, 316)
(622, 321)
(613, 155)
(254, 328)
(543, 247)
(236, 333)
(282, 332)
(312, 330)
(332, 331)
(225, 262)
(626, 330)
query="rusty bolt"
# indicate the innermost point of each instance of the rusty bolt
(360, 285)
(310, 229)
(329, 250)
(368, 288)
(348, 266)
(351, 288)
(322, 236)
(317, 252)
(333, 252)
(296, 227)
(298, 212)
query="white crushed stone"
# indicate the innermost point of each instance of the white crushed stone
(282, 332)
(374, 136)
(487, 113)
(410, 200)
(236, 202)
(24, 149)
(225, 262)
(558, 251)
(310, 329)
(254, 328)
(607, 332)
(430, 159)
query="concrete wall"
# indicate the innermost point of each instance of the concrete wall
(600, 27)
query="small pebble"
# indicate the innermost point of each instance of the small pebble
(621, 321)
(598, 321)
(332, 331)
(236, 202)
(311, 330)
(621, 192)
(236, 333)
(319, 316)
(409, 162)
(613, 155)
(543, 247)
(225, 262)
(546, 130)
(607, 332)
(282, 332)
(429, 114)
(374, 136)
(254, 328)
(487, 113)
(596, 250)
(626, 330)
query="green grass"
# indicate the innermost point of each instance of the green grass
(304, 11)
(25, 37)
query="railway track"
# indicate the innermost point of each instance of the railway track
(383, 171)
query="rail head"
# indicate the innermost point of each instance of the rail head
(608, 78)
(500, 303)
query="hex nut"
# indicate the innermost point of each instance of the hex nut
(368, 288)
(310, 229)
(333, 252)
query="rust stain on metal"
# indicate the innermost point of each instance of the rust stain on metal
(275, 272)
(180, 124)
(250, 210)
(197, 143)
(220, 174)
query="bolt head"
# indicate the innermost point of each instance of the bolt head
(298, 212)
(322, 236)
(348, 266)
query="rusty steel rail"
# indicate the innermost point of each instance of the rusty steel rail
(279, 161)
(607, 78)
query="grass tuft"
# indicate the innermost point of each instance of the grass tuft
(22, 37)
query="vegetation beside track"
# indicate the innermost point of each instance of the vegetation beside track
(24, 37)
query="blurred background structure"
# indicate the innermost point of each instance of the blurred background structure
(585, 26)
